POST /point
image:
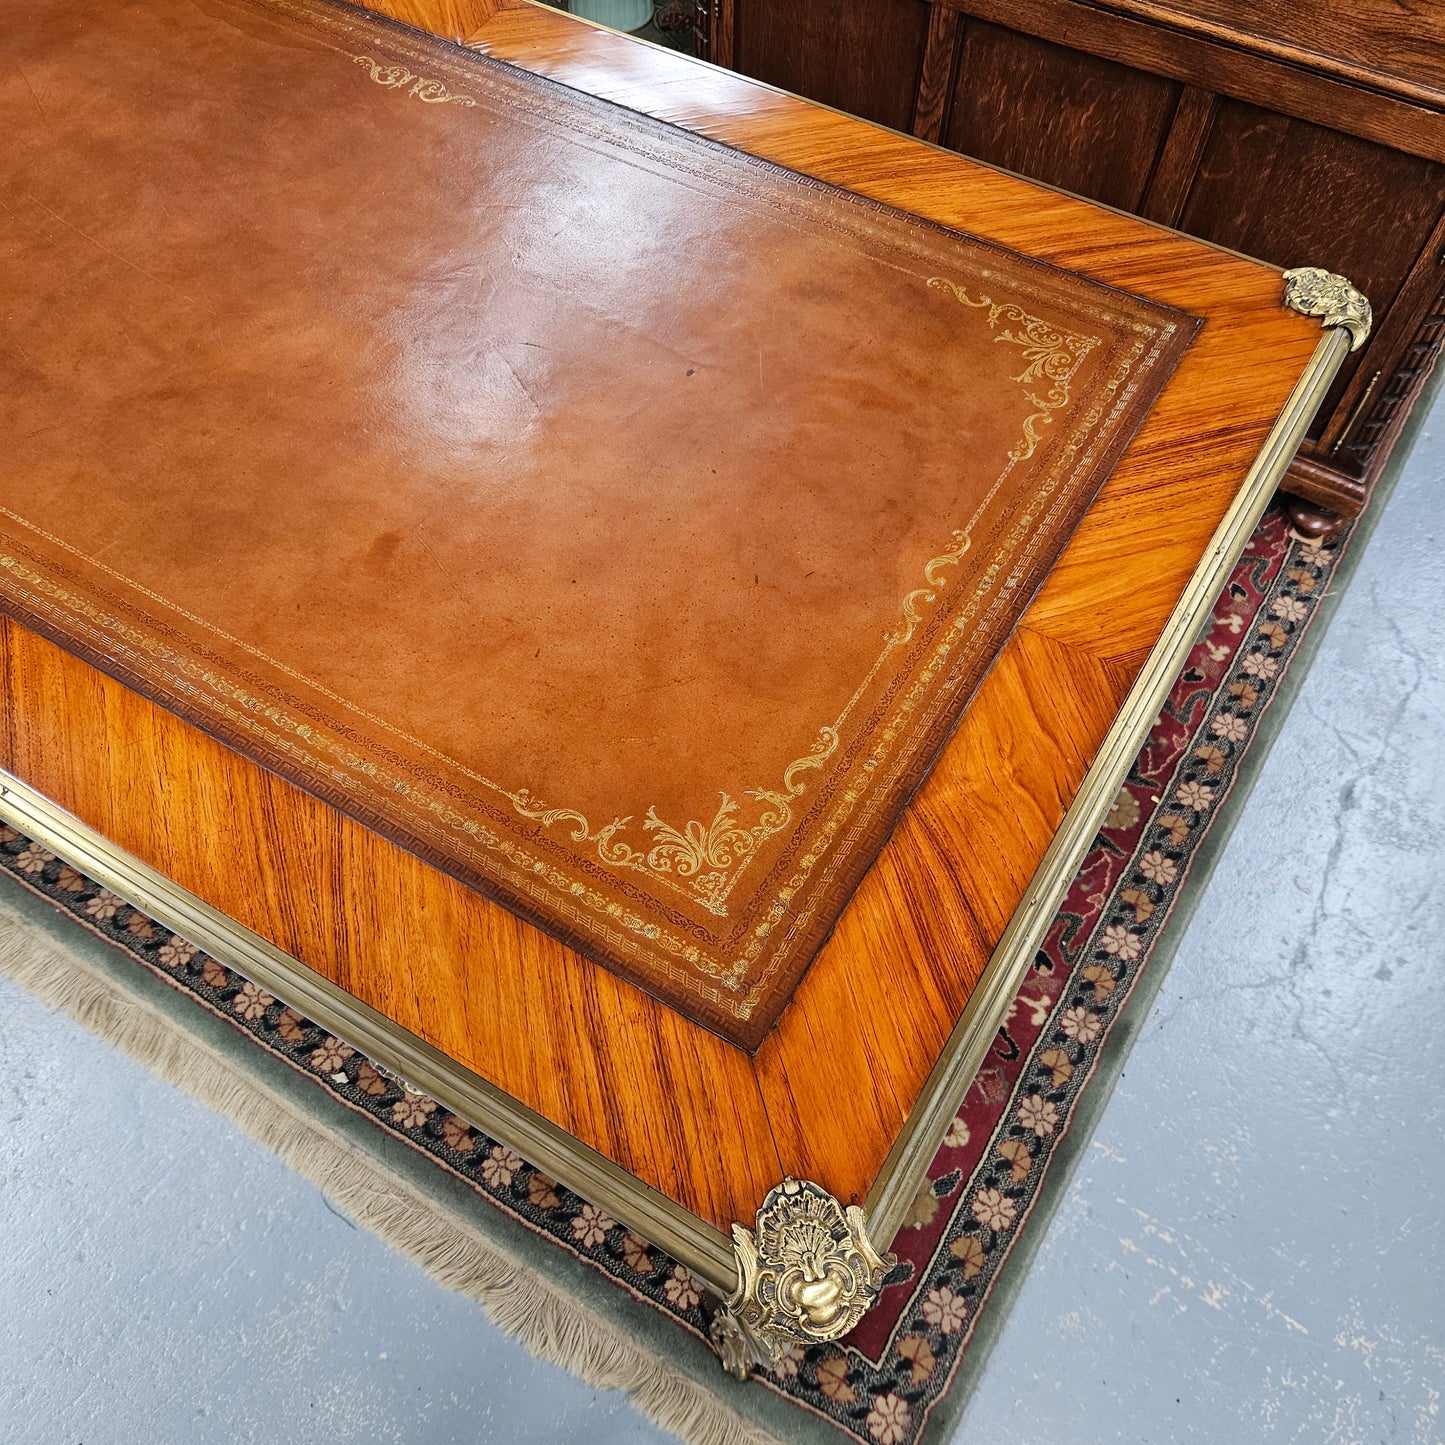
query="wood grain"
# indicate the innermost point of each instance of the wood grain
(1222, 68)
(1058, 115)
(1392, 47)
(716, 31)
(832, 1086)
(862, 56)
(451, 19)
(1313, 175)
(935, 81)
(1174, 172)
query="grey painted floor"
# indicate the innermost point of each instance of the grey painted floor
(1253, 1249)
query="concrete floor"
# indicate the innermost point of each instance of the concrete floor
(1253, 1249)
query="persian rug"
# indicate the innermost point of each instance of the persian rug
(585, 1291)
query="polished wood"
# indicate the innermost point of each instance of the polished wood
(1315, 488)
(833, 1084)
(451, 19)
(574, 1042)
(1057, 115)
(1308, 133)
(715, 31)
(664, 669)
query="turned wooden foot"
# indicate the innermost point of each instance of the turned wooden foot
(1315, 523)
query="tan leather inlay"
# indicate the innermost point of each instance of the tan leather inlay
(617, 521)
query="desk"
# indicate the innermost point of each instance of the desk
(675, 1130)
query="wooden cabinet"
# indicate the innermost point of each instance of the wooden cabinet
(1303, 132)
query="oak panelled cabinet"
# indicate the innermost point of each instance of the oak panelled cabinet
(1297, 131)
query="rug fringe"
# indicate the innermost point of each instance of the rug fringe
(518, 1300)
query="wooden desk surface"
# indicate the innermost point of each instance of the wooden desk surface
(833, 1085)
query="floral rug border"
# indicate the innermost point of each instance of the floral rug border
(883, 1384)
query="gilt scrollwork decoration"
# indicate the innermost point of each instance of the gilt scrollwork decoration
(704, 858)
(397, 77)
(1051, 357)
(701, 856)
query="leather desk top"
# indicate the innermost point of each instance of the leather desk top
(617, 522)
(676, 1131)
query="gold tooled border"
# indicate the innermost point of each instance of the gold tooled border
(697, 1244)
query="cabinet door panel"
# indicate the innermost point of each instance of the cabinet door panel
(1297, 194)
(862, 56)
(1058, 115)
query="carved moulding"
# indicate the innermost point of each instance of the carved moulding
(1315, 292)
(807, 1273)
